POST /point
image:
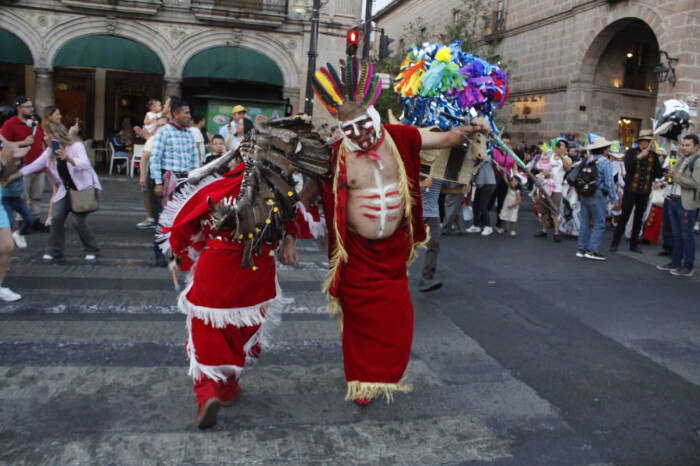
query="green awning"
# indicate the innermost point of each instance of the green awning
(112, 52)
(13, 50)
(234, 63)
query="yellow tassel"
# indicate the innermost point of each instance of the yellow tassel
(405, 191)
(371, 390)
(340, 254)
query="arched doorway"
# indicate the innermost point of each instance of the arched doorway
(619, 64)
(106, 82)
(14, 58)
(218, 78)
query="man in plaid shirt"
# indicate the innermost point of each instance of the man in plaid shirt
(174, 150)
(174, 147)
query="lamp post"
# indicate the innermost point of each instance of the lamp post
(313, 53)
(662, 72)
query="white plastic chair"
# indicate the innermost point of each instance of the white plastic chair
(113, 156)
(136, 158)
(97, 150)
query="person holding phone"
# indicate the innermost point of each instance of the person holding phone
(66, 162)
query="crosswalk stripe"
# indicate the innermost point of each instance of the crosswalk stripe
(158, 332)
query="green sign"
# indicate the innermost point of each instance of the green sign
(218, 112)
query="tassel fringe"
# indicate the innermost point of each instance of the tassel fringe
(372, 390)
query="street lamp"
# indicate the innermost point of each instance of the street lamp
(661, 71)
(313, 53)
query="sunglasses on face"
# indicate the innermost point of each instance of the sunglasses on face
(352, 127)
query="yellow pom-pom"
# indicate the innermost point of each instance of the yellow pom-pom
(276, 209)
(443, 54)
(240, 236)
(290, 193)
(250, 235)
(268, 221)
(257, 230)
(272, 253)
(255, 267)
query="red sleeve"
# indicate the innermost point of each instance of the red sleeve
(7, 131)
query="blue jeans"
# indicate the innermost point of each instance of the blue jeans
(592, 207)
(682, 223)
(666, 231)
(16, 204)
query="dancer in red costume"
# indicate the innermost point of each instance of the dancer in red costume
(224, 230)
(229, 308)
(373, 212)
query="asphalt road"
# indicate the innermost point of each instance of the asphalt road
(527, 356)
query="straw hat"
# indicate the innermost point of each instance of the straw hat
(598, 144)
(645, 134)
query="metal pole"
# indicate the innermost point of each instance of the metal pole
(313, 47)
(368, 29)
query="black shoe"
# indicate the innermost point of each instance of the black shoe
(206, 417)
(636, 249)
(557, 238)
(429, 285)
(541, 234)
(613, 247)
(39, 226)
(665, 253)
(161, 262)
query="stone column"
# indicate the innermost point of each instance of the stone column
(173, 86)
(44, 89)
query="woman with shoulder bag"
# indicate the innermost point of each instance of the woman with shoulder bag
(67, 163)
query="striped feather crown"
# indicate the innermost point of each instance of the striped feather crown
(357, 83)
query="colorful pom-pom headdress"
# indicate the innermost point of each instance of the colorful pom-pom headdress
(357, 84)
(441, 85)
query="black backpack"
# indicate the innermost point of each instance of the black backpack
(586, 183)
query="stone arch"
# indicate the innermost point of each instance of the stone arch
(590, 51)
(262, 44)
(80, 27)
(19, 26)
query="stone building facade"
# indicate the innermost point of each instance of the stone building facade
(580, 65)
(100, 60)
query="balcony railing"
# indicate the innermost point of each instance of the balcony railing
(222, 7)
(147, 7)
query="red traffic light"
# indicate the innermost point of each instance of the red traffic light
(353, 40)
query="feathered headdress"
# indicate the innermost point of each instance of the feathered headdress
(357, 83)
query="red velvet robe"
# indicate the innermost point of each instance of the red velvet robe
(372, 285)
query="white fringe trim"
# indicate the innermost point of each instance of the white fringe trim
(197, 370)
(239, 317)
(172, 208)
(317, 228)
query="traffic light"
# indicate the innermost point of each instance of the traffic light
(384, 50)
(353, 39)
